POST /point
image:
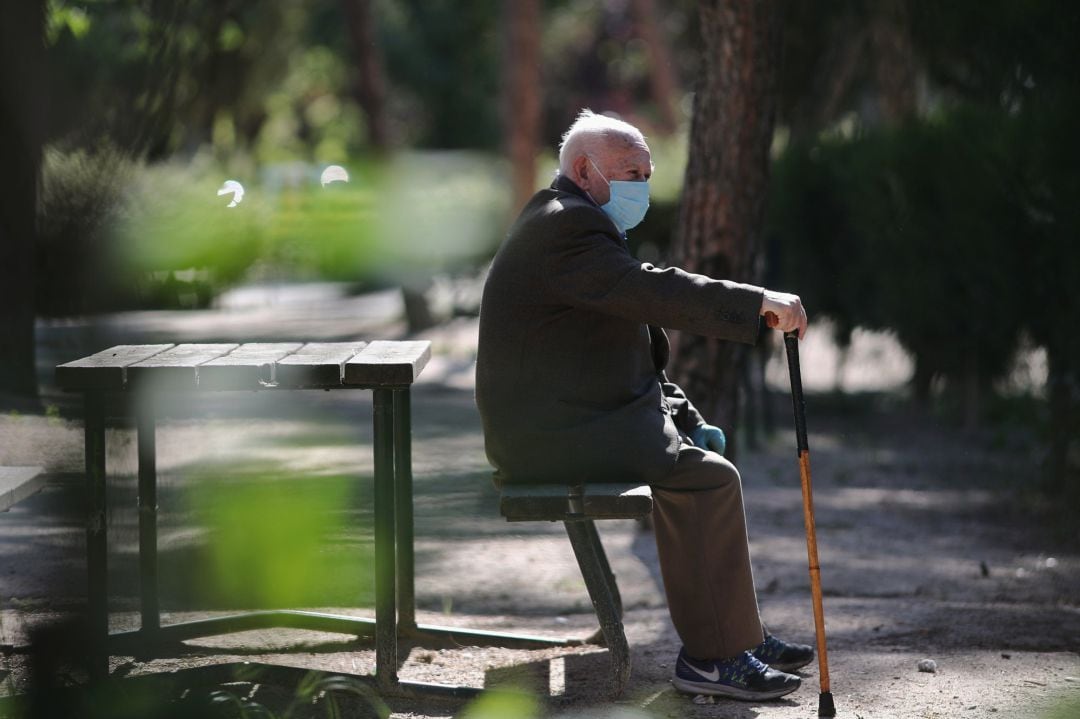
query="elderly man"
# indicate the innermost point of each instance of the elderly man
(571, 387)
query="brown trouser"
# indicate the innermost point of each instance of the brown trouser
(704, 557)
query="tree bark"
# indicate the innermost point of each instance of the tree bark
(663, 85)
(521, 94)
(723, 202)
(894, 61)
(22, 57)
(369, 87)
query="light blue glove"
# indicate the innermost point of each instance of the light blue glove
(708, 437)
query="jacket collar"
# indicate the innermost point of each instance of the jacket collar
(565, 184)
(562, 183)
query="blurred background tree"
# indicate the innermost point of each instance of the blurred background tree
(723, 200)
(21, 111)
(918, 176)
(930, 200)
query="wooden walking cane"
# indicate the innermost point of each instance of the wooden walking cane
(826, 708)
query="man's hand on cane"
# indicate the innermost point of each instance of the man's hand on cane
(787, 309)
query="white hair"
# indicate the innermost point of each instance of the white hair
(589, 133)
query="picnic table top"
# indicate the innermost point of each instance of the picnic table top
(250, 366)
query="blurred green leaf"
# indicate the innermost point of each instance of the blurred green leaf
(278, 540)
(502, 704)
(61, 17)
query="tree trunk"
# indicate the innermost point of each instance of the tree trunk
(894, 61)
(663, 85)
(521, 94)
(22, 57)
(722, 211)
(368, 84)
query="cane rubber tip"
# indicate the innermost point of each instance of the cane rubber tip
(826, 708)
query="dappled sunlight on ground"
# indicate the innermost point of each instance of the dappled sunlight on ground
(926, 549)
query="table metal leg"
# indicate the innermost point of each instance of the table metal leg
(403, 517)
(385, 580)
(97, 608)
(148, 565)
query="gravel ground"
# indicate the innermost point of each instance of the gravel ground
(927, 550)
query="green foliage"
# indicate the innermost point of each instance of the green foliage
(117, 233)
(914, 229)
(153, 76)
(276, 540)
(440, 210)
(82, 193)
(61, 18)
(443, 57)
(502, 704)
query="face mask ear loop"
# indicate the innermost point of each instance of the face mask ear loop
(606, 182)
(601, 177)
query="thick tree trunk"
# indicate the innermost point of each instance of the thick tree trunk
(368, 84)
(22, 56)
(894, 61)
(521, 94)
(663, 85)
(722, 212)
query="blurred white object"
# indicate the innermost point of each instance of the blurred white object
(927, 665)
(334, 173)
(234, 187)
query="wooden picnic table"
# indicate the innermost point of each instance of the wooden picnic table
(387, 368)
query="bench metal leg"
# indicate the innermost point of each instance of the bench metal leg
(385, 574)
(403, 511)
(605, 566)
(148, 549)
(600, 582)
(97, 606)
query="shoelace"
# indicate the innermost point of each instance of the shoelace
(739, 668)
(769, 650)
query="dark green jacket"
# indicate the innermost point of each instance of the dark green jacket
(570, 365)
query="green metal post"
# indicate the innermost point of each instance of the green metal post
(97, 607)
(385, 581)
(403, 517)
(148, 564)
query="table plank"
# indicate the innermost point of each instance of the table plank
(316, 364)
(106, 369)
(249, 366)
(386, 362)
(176, 368)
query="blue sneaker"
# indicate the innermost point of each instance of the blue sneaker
(785, 656)
(740, 677)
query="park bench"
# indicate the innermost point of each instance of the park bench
(18, 483)
(577, 507)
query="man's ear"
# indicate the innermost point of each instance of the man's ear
(580, 168)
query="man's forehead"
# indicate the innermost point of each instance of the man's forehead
(630, 155)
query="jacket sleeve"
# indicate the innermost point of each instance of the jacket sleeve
(588, 267)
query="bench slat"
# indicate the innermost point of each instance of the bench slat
(106, 369)
(176, 368)
(247, 367)
(552, 502)
(316, 364)
(388, 363)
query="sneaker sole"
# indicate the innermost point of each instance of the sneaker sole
(791, 666)
(720, 690)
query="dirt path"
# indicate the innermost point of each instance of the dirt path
(927, 552)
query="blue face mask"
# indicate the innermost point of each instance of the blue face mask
(629, 201)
